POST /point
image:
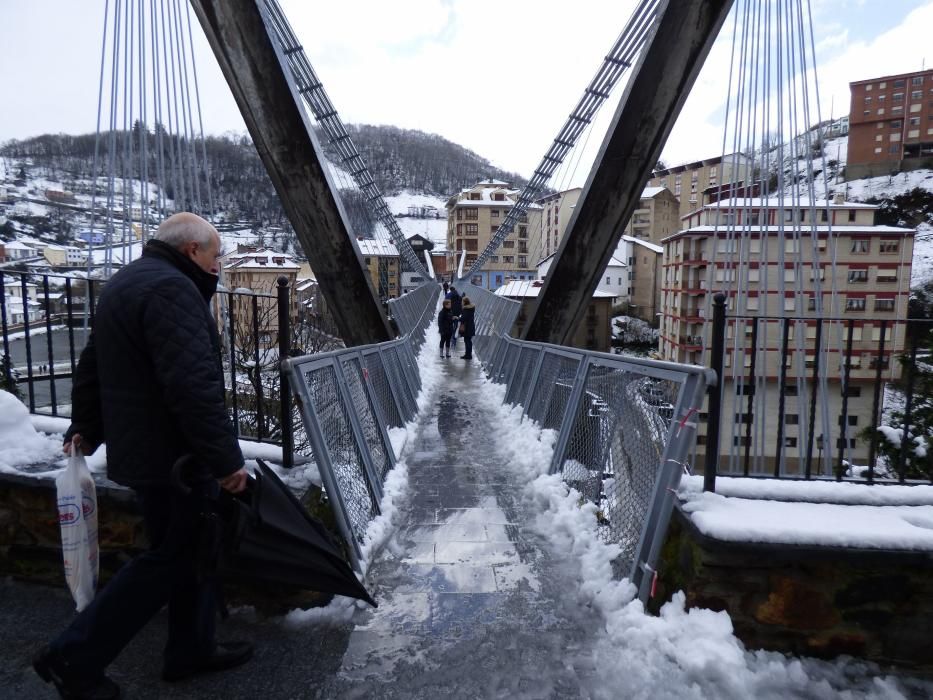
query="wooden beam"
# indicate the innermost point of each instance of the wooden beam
(668, 67)
(270, 104)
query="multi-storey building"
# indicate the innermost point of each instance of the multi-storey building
(657, 216)
(474, 216)
(840, 280)
(890, 124)
(256, 271)
(689, 180)
(643, 276)
(556, 210)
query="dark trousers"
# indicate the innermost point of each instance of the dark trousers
(445, 342)
(166, 574)
(468, 342)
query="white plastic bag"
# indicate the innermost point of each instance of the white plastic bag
(77, 516)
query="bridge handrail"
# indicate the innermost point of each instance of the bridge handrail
(625, 429)
(349, 399)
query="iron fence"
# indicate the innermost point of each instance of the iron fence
(625, 427)
(43, 337)
(820, 398)
(349, 399)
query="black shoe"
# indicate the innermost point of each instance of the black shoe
(466, 357)
(52, 670)
(226, 655)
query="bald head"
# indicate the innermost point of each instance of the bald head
(193, 237)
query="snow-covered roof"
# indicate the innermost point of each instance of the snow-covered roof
(18, 245)
(378, 247)
(530, 289)
(804, 229)
(777, 203)
(647, 244)
(261, 260)
(650, 192)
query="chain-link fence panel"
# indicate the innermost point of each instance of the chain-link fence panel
(379, 383)
(552, 389)
(340, 457)
(408, 406)
(377, 441)
(521, 378)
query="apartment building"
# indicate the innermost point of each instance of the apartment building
(556, 210)
(890, 124)
(474, 216)
(382, 262)
(593, 333)
(643, 276)
(657, 216)
(256, 270)
(774, 262)
(688, 181)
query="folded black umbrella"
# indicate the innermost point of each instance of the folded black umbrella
(265, 534)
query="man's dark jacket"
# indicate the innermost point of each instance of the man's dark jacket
(149, 382)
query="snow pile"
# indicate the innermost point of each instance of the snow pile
(20, 443)
(681, 653)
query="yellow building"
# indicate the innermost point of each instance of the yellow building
(474, 216)
(688, 181)
(381, 261)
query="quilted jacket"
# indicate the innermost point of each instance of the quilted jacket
(149, 382)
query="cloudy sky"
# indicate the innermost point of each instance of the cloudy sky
(499, 79)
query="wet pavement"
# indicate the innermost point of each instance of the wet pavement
(471, 603)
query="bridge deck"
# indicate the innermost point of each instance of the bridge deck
(471, 601)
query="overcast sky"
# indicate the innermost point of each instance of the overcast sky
(497, 78)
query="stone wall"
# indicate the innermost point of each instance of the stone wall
(30, 540)
(814, 601)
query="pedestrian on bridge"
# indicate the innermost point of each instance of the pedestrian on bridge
(445, 327)
(468, 327)
(150, 384)
(456, 306)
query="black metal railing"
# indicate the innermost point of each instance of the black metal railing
(815, 382)
(43, 337)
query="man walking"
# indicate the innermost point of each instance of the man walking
(150, 384)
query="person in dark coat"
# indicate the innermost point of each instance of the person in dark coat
(150, 384)
(468, 325)
(456, 305)
(445, 327)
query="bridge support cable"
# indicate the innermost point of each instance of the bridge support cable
(268, 98)
(148, 81)
(312, 91)
(667, 69)
(623, 54)
(773, 127)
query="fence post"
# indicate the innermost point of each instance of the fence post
(285, 391)
(714, 393)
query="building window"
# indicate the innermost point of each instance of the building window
(508, 244)
(860, 245)
(522, 261)
(508, 259)
(894, 149)
(523, 232)
(853, 392)
(888, 246)
(608, 280)
(887, 275)
(858, 276)
(916, 95)
(898, 97)
(916, 80)
(472, 229)
(790, 442)
(899, 83)
(855, 304)
(494, 213)
(470, 213)
(475, 195)
(884, 304)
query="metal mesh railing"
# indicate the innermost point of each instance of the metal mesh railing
(625, 427)
(349, 399)
(413, 312)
